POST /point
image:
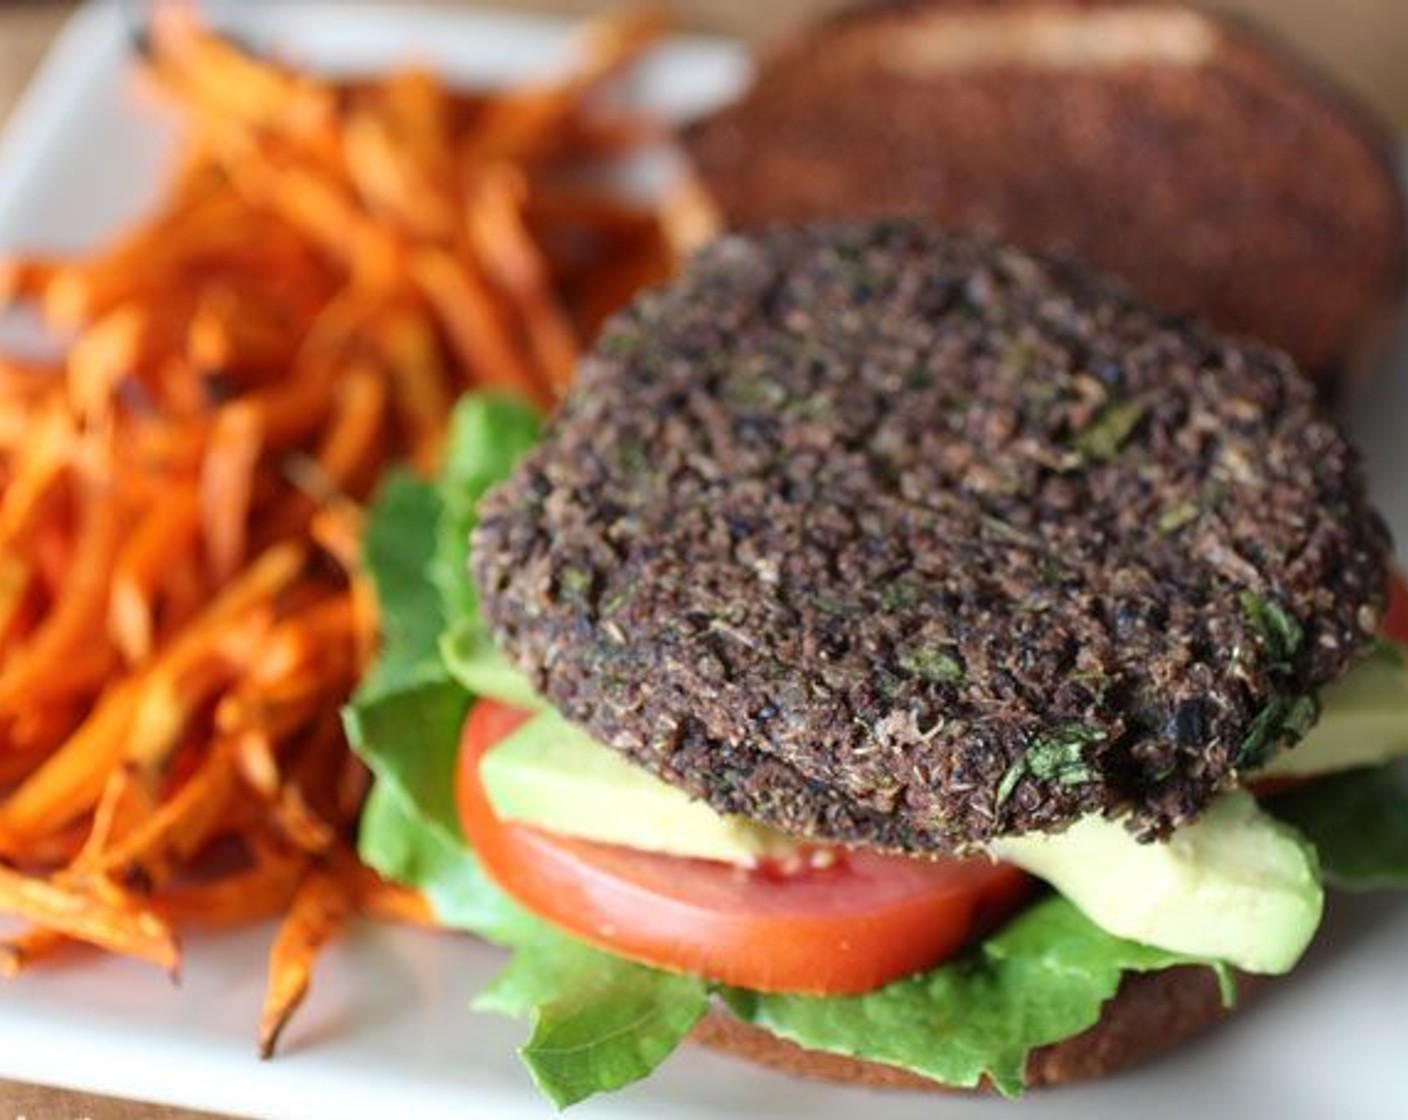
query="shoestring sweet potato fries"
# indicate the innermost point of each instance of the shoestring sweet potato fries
(181, 610)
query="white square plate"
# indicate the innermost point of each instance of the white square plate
(387, 1030)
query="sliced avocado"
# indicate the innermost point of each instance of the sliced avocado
(1235, 885)
(552, 774)
(1363, 721)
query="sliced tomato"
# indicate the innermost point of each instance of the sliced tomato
(849, 923)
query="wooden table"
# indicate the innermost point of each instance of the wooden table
(1365, 42)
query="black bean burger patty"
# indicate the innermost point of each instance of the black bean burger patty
(885, 535)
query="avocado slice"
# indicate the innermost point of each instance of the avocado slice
(552, 774)
(1363, 721)
(1236, 885)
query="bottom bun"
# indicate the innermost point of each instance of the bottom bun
(1152, 1012)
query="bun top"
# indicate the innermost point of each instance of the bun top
(1181, 152)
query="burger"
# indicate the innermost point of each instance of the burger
(903, 659)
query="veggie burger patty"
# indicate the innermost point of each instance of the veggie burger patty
(883, 535)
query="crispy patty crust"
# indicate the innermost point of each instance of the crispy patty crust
(889, 536)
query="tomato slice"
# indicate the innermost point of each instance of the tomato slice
(855, 924)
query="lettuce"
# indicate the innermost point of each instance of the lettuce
(402, 845)
(1358, 822)
(398, 540)
(1042, 978)
(470, 657)
(599, 1022)
(487, 436)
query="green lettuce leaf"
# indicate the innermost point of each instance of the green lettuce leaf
(488, 435)
(1358, 822)
(1042, 978)
(403, 846)
(399, 541)
(472, 659)
(411, 738)
(599, 1022)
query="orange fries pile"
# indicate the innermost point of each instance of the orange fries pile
(181, 611)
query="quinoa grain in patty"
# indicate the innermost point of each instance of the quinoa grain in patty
(885, 535)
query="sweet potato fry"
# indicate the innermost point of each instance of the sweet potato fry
(110, 350)
(255, 762)
(24, 278)
(71, 780)
(185, 592)
(242, 87)
(246, 331)
(475, 326)
(395, 187)
(378, 898)
(57, 848)
(46, 461)
(516, 264)
(167, 531)
(179, 827)
(17, 764)
(689, 218)
(337, 529)
(319, 208)
(186, 677)
(227, 486)
(528, 125)
(291, 412)
(300, 824)
(41, 728)
(130, 931)
(84, 672)
(420, 383)
(251, 894)
(76, 623)
(50, 545)
(585, 211)
(26, 380)
(16, 579)
(354, 782)
(345, 460)
(609, 45)
(33, 946)
(636, 264)
(320, 909)
(128, 800)
(350, 446)
(318, 770)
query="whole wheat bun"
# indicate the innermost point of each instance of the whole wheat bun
(1203, 164)
(1152, 1012)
